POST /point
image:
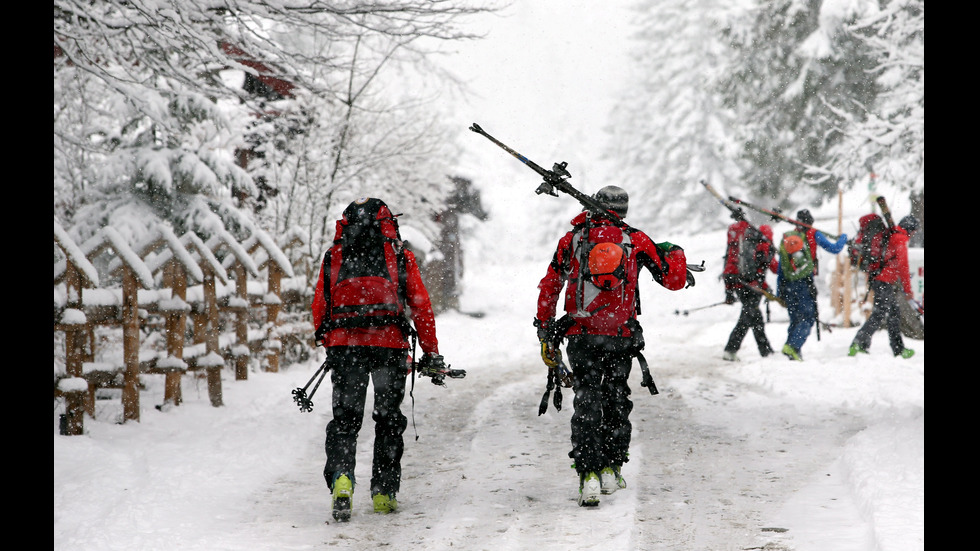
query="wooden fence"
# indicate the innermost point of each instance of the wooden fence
(175, 308)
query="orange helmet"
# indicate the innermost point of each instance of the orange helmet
(792, 243)
(605, 263)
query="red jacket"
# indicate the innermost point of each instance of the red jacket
(387, 336)
(671, 266)
(896, 262)
(735, 232)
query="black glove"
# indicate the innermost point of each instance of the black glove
(730, 289)
(319, 334)
(546, 329)
(433, 365)
(690, 279)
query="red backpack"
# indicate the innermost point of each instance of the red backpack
(867, 252)
(367, 278)
(601, 293)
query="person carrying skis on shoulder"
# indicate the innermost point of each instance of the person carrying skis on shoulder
(747, 258)
(795, 283)
(600, 262)
(892, 277)
(369, 286)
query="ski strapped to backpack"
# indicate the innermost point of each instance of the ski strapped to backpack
(747, 242)
(557, 178)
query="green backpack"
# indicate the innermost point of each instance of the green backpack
(794, 256)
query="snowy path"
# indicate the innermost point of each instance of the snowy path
(488, 473)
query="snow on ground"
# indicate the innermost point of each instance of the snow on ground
(762, 453)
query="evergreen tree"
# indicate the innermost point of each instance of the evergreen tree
(796, 74)
(887, 136)
(670, 130)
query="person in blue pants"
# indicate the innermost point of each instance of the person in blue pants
(798, 265)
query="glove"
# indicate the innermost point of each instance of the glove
(690, 279)
(319, 335)
(431, 362)
(730, 296)
(546, 329)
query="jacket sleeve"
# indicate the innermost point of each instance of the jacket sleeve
(665, 261)
(418, 300)
(319, 298)
(828, 245)
(900, 241)
(549, 289)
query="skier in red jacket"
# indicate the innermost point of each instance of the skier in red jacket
(602, 330)
(369, 286)
(893, 279)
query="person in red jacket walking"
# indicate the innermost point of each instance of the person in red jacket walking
(763, 259)
(600, 261)
(894, 278)
(369, 286)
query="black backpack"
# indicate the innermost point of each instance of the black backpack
(366, 275)
(749, 262)
(867, 252)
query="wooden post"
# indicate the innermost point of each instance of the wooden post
(241, 324)
(176, 278)
(211, 337)
(848, 293)
(131, 346)
(272, 312)
(835, 282)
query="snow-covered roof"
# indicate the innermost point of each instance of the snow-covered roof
(293, 236)
(90, 275)
(125, 255)
(192, 241)
(238, 253)
(175, 250)
(275, 254)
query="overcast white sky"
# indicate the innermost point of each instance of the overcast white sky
(543, 81)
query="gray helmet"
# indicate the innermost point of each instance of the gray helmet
(909, 224)
(613, 198)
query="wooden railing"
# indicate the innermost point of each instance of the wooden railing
(167, 289)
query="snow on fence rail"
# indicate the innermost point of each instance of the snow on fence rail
(167, 287)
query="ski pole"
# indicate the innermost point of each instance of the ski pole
(305, 402)
(686, 312)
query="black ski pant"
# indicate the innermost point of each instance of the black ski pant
(885, 310)
(749, 318)
(601, 427)
(351, 367)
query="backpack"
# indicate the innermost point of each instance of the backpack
(794, 256)
(366, 270)
(602, 273)
(868, 249)
(748, 262)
